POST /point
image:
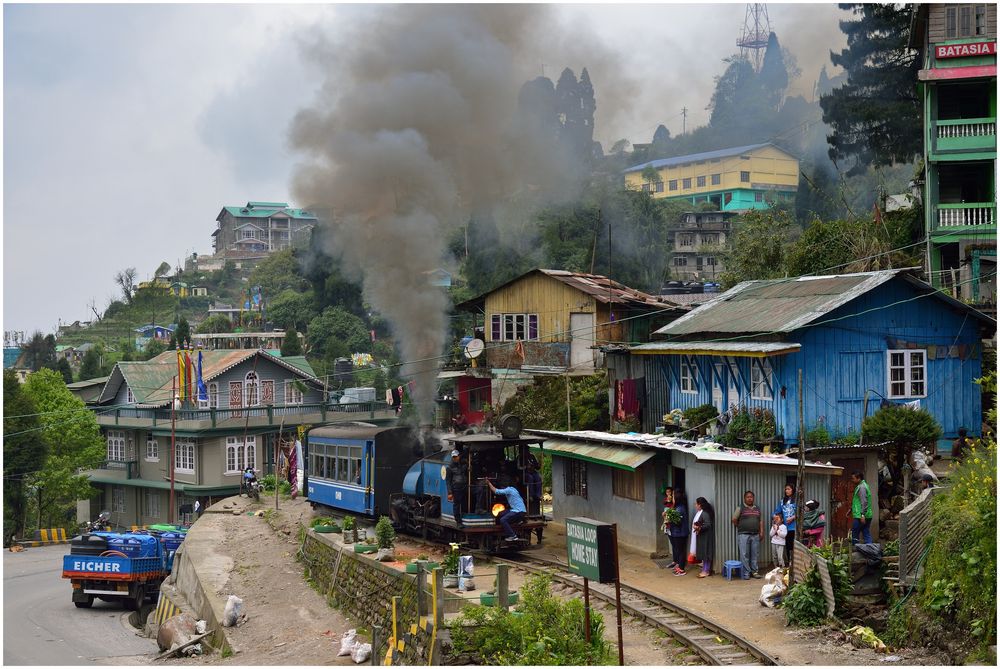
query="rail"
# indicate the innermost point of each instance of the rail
(215, 416)
(698, 633)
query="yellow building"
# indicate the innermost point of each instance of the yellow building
(736, 179)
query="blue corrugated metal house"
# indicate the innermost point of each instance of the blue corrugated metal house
(883, 334)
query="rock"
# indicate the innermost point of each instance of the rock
(891, 658)
(176, 631)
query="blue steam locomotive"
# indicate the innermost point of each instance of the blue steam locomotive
(401, 472)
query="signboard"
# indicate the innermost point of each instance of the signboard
(965, 50)
(590, 549)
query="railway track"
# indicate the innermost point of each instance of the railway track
(710, 642)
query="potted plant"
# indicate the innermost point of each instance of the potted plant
(324, 525)
(490, 598)
(451, 566)
(385, 538)
(350, 530)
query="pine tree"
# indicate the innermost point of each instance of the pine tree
(291, 345)
(773, 75)
(63, 368)
(182, 334)
(90, 368)
(875, 116)
(588, 105)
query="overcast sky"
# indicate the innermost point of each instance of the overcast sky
(128, 127)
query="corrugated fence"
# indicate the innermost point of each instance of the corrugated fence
(914, 528)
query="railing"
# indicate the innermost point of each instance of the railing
(129, 467)
(967, 127)
(966, 214)
(256, 413)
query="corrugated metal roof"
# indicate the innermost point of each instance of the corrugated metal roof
(751, 349)
(266, 209)
(613, 456)
(709, 451)
(779, 305)
(694, 157)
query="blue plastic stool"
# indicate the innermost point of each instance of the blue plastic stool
(729, 566)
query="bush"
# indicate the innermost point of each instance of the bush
(548, 631)
(348, 523)
(748, 427)
(818, 436)
(902, 426)
(838, 559)
(805, 604)
(959, 582)
(699, 416)
(385, 535)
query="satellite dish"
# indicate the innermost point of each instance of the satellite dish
(474, 348)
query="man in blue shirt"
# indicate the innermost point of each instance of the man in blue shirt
(515, 509)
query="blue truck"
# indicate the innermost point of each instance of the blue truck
(119, 566)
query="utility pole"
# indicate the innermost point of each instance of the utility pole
(173, 446)
(684, 120)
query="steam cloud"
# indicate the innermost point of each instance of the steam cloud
(413, 130)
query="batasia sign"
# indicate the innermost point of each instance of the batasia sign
(965, 50)
(590, 549)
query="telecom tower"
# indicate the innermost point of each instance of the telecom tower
(754, 35)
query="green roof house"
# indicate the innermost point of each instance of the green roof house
(259, 228)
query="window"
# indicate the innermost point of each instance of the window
(728, 198)
(673, 184)
(478, 398)
(745, 177)
(680, 261)
(250, 388)
(685, 240)
(965, 21)
(511, 327)
(659, 186)
(907, 373)
(716, 179)
(951, 22)
(248, 233)
(688, 382)
(184, 456)
(240, 454)
(267, 391)
(980, 19)
(710, 238)
(129, 397)
(575, 478)
(758, 197)
(687, 183)
(629, 485)
(152, 448)
(336, 462)
(118, 499)
(646, 188)
(710, 261)
(292, 393)
(116, 446)
(213, 395)
(701, 182)
(761, 380)
(152, 504)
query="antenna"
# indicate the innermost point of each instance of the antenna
(754, 34)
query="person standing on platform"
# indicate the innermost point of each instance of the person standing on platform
(704, 527)
(749, 526)
(787, 508)
(861, 509)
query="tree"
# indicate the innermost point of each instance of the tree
(773, 73)
(90, 367)
(40, 351)
(651, 175)
(65, 370)
(737, 100)
(73, 441)
(876, 115)
(214, 324)
(278, 272)
(153, 349)
(126, 281)
(337, 333)
(291, 308)
(23, 453)
(758, 247)
(291, 345)
(182, 334)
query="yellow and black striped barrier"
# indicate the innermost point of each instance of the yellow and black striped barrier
(165, 609)
(47, 537)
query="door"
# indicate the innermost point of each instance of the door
(235, 396)
(581, 356)
(842, 491)
(717, 397)
(733, 391)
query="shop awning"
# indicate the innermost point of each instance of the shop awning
(745, 349)
(626, 458)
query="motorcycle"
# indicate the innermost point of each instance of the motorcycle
(251, 486)
(99, 524)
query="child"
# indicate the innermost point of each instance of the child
(813, 524)
(778, 533)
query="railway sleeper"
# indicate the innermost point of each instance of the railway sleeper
(688, 628)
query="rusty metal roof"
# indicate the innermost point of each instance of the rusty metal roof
(779, 305)
(749, 349)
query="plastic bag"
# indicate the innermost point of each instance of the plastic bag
(361, 652)
(465, 582)
(348, 642)
(200, 627)
(234, 606)
(776, 575)
(770, 594)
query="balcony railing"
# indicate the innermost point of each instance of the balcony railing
(258, 414)
(129, 469)
(967, 127)
(968, 214)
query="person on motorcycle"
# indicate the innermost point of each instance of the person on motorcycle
(249, 478)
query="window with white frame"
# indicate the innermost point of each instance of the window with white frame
(240, 453)
(116, 446)
(118, 499)
(152, 509)
(293, 395)
(907, 373)
(761, 380)
(152, 448)
(512, 327)
(251, 390)
(129, 397)
(184, 456)
(213, 395)
(689, 383)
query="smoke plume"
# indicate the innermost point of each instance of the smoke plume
(413, 130)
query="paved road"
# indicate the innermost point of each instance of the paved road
(42, 626)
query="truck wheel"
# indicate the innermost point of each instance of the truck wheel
(85, 604)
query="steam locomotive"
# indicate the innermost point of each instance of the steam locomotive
(373, 471)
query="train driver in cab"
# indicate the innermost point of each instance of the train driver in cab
(457, 480)
(515, 512)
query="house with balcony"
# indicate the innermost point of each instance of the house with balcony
(958, 87)
(699, 240)
(256, 402)
(549, 321)
(152, 332)
(733, 179)
(260, 228)
(858, 340)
